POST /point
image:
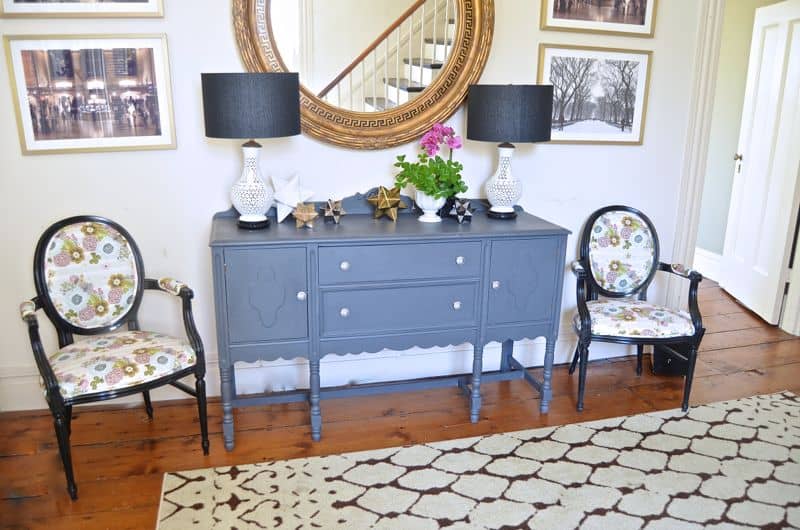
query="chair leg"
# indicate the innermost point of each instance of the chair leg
(68, 417)
(639, 353)
(574, 362)
(148, 405)
(687, 386)
(200, 388)
(584, 361)
(61, 425)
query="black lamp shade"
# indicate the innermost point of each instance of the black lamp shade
(510, 113)
(251, 105)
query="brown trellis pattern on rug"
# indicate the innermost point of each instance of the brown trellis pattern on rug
(734, 464)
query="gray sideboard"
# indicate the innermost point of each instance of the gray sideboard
(368, 284)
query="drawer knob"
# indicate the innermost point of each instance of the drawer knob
(301, 295)
(345, 265)
(457, 305)
(460, 260)
(495, 284)
(344, 312)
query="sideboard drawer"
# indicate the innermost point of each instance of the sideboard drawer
(370, 263)
(372, 311)
(267, 292)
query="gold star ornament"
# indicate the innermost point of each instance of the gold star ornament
(333, 210)
(386, 202)
(304, 215)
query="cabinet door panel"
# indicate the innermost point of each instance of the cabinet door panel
(522, 283)
(263, 287)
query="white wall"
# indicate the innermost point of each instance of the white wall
(166, 198)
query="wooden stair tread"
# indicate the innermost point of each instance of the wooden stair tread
(380, 103)
(425, 62)
(404, 84)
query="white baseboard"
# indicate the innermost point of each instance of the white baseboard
(707, 263)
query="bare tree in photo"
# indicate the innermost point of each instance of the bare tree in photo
(620, 80)
(572, 78)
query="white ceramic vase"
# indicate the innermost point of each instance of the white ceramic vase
(429, 207)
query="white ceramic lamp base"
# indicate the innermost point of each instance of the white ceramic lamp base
(250, 195)
(502, 189)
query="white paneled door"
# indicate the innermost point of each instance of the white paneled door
(766, 196)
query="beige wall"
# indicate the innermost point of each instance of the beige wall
(166, 198)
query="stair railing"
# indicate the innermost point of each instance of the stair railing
(360, 84)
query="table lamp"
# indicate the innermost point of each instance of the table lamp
(248, 106)
(508, 113)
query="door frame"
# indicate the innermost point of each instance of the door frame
(706, 60)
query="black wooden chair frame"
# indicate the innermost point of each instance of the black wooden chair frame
(60, 406)
(587, 289)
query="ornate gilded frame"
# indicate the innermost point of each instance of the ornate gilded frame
(375, 130)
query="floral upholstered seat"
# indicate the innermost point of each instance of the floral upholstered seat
(118, 360)
(636, 318)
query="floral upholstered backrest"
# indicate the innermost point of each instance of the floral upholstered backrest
(91, 273)
(623, 251)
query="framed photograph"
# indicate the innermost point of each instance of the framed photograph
(82, 8)
(91, 92)
(599, 94)
(619, 17)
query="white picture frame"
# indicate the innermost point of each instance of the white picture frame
(82, 8)
(633, 18)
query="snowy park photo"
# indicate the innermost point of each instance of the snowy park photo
(626, 17)
(599, 94)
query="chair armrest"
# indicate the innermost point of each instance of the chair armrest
(180, 289)
(578, 269)
(680, 270)
(27, 311)
(694, 278)
(580, 296)
(171, 285)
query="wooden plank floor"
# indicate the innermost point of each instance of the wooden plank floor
(120, 456)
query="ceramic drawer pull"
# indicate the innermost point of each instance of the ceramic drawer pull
(345, 265)
(495, 284)
(457, 305)
(460, 260)
(301, 295)
(344, 312)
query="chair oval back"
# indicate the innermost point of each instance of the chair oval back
(89, 274)
(620, 247)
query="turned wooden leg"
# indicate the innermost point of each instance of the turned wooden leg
(61, 425)
(148, 405)
(584, 361)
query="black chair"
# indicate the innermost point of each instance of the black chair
(619, 257)
(89, 279)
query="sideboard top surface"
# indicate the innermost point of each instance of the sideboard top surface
(363, 227)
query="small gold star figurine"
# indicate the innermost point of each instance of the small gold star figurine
(333, 210)
(304, 215)
(387, 202)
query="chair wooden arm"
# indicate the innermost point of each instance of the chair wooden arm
(580, 295)
(27, 310)
(180, 289)
(694, 278)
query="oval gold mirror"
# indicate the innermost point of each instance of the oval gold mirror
(374, 73)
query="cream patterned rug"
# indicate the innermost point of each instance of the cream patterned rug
(734, 464)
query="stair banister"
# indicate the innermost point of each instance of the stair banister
(407, 13)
